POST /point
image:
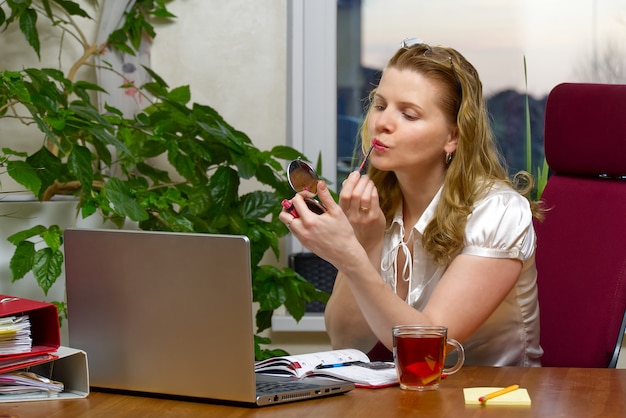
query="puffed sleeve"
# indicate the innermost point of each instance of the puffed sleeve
(501, 226)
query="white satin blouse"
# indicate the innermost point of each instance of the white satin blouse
(500, 226)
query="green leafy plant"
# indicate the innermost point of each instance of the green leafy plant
(209, 158)
(541, 176)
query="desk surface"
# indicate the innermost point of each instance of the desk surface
(555, 392)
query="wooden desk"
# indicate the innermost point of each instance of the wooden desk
(555, 392)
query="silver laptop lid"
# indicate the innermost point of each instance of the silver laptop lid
(161, 312)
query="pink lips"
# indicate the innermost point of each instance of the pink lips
(378, 146)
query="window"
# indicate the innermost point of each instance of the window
(338, 47)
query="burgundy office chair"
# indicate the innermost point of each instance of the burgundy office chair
(581, 244)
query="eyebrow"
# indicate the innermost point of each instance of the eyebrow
(401, 103)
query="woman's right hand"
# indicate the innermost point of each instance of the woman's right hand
(359, 201)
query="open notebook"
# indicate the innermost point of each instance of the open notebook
(170, 313)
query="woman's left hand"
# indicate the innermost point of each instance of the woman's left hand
(359, 201)
(329, 235)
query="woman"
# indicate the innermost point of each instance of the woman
(435, 233)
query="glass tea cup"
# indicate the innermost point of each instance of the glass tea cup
(419, 352)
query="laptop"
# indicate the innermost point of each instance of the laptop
(171, 314)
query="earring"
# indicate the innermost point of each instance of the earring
(449, 156)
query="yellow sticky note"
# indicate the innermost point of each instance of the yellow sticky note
(517, 397)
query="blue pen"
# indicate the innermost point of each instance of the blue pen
(331, 366)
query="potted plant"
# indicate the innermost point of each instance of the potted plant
(199, 192)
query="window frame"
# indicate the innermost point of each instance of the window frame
(312, 86)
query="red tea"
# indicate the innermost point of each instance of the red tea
(419, 359)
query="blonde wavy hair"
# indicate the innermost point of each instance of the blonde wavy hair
(475, 166)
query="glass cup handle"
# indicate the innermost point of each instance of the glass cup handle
(461, 356)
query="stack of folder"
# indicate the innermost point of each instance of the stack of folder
(33, 364)
(15, 335)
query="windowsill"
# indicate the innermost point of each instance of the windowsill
(310, 322)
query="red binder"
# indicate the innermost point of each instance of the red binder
(44, 324)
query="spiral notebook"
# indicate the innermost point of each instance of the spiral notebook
(171, 314)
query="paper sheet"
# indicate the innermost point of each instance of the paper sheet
(517, 397)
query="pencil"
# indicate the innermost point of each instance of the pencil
(492, 395)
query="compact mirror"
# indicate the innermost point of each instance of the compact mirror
(303, 179)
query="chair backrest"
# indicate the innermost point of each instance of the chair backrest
(581, 244)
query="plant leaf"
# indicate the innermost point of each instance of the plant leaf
(106, 137)
(224, 186)
(22, 260)
(48, 9)
(53, 237)
(123, 200)
(286, 153)
(180, 160)
(263, 319)
(153, 173)
(79, 164)
(47, 166)
(21, 236)
(157, 78)
(177, 222)
(259, 204)
(47, 267)
(72, 8)
(527, 122)
(180, 95)
(28, 26)
(25, 175)
(542, 177)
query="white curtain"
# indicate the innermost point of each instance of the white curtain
(127, 69)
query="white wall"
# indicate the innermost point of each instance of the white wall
(233, 55)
